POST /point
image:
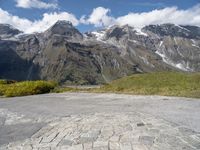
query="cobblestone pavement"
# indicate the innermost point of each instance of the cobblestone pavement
(86, 121)
(104, 131)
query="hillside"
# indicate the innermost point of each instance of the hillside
(65, 55)
(158, 83)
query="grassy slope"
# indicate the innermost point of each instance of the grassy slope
(10, 89)
(159, 83)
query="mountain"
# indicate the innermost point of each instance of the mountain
(65, 29)
(177, 46)
(7, 31)
(64, 54)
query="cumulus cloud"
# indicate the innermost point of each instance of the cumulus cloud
(167, 15)
(50, 19)
(99, 17)
(102, 17)
(191, 16)
(35, 4)
(29, 26)
(20, 23)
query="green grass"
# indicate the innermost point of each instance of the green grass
(4, 81)
(12, 89)
(158, 83)
(65, 89)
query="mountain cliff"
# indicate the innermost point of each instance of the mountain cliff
(64, 54)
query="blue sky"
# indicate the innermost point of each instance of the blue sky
(110, 12)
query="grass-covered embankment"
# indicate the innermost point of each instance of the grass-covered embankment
(12, 89)
(158, 83)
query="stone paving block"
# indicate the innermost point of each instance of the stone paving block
(193, 142)
(186, 131)
(114, 139)
(45, 148)
(139, 147)
(27, 147)
(76, 147)
(65, 142)
(147, 140)
(125, 146)
(153, 131)
(88, 146)
(114, 146)
(100, 144)
(49, 138)
(101, 148)
(60, 148)
(110, 131)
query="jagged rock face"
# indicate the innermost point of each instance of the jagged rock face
(175, 46)
(180, 52)
(65, 57)
(136, 47)
(179, 46)
(7, 31)
(64, 28)
(63, 54)
(83, 64)
(172, 30)
(13, 66)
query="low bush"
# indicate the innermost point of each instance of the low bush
(26, 88)
(3, 81)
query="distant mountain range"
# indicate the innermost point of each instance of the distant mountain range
(64, 54)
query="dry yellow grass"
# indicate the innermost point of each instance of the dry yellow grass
(158, 83)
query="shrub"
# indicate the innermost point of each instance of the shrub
(3, 81)
(27, 88)
(2, 89)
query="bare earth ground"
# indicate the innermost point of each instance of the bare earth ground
(78, 121)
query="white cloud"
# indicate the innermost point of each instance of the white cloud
(35, 4)
(38, 25)
(20, 23)
(99, 17)
(50, 19)
(191, 16)
(167, 15)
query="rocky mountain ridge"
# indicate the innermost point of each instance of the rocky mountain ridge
(178, 46)
(64, 54)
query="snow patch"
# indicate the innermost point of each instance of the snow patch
(180, 66)
(161, 43)
(85, 35)
(6, 38)
(144, 59)
(139, 32)
(178, 50)
(134, 41)
(99, 35)
(10, 26)
(194, 43)
(183, 28)
(160, 54)
(175, 41)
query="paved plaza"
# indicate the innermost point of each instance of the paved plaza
(84, 121)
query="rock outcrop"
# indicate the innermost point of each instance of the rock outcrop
(64, 54)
